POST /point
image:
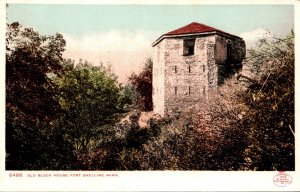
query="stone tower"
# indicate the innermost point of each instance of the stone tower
(190, 61)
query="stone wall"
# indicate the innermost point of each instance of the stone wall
(181, 81)
(186, 76)
(158, 86)
(229, 55)
(212, 73)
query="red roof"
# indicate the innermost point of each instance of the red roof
(192, 28)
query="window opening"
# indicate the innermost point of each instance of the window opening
(188, 47)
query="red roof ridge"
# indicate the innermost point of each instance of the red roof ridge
(192, 28)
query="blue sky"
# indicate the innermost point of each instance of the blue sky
(122, 34)
(81, 19)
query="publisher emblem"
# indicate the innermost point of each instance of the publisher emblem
(282, 179)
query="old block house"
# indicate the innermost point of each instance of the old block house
(190, 61)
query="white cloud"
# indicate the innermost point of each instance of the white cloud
(126, 52)
(251, 37)
(109, 41)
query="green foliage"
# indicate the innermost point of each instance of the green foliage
(124, 148)
(54, 109)
(128, 97)
(89, 97)
(142, 84)
(31, 107)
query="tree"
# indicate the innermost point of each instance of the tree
(89, 97)
(31, 105)
(127, 97)
(142, 84)
(123, 147)
(270, 99)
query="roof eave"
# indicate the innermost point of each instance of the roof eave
(194, 34)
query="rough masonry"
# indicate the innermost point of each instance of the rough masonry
(190, 61)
